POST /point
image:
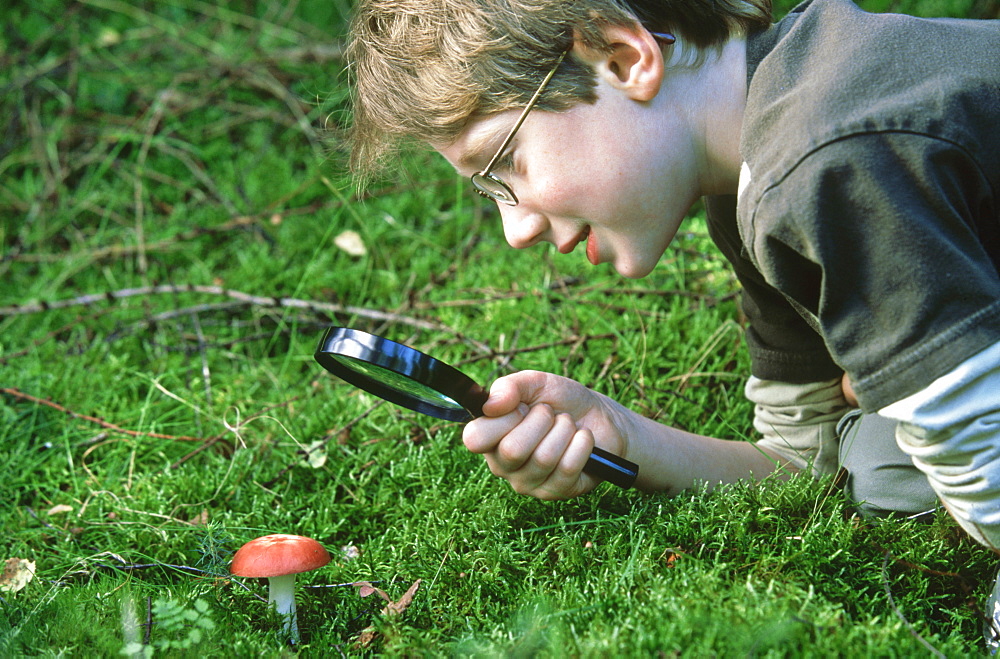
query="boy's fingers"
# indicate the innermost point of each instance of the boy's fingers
(549, 453)
(530, 463)
(519, 445)
(555, 471)
(575, 457)
(483, 434)
(531, 435)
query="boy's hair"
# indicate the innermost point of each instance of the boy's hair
(421, 69)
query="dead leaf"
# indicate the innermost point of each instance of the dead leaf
(315, 455)
(671, 555)
(365, 589)
(350, 242)
(395, 608)
(369, 634)
(17, 572)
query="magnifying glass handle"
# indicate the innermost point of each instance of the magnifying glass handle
(612, 468)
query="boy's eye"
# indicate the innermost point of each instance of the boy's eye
(505, 163)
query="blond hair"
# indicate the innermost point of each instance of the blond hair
(421, 69)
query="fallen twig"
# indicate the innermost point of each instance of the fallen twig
(107, 425)
(246, 298)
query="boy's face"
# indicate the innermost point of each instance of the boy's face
(618, 175)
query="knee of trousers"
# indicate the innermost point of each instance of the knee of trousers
(879, 478)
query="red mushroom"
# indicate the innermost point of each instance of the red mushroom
(280, 557)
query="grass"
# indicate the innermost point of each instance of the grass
(178, 148)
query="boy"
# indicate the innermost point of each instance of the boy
(851, 169)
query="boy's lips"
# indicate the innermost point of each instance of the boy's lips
(584, 236)
(592, 254)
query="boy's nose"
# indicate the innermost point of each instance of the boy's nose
(522, 228)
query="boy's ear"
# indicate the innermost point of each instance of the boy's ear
(634, 64)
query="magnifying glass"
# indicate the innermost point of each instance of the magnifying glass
(409, 378)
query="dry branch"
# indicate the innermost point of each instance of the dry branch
(330, 308)
(107, 425)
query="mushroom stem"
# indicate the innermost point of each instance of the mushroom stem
(281, 591)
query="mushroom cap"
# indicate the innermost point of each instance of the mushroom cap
(277, 555)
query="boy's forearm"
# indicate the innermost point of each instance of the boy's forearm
(672, 460)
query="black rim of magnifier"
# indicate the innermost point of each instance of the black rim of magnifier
(420, 368)
(438, 376)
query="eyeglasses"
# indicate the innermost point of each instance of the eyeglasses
(486, 183)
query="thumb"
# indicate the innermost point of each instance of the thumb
(511, 391)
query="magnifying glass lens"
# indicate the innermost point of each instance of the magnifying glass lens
(398, 382)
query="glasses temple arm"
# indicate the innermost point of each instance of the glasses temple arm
(524, 113)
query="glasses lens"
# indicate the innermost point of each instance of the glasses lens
(493, 188)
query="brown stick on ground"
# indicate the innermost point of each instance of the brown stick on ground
(107, 425)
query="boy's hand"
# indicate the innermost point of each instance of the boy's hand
(845, 384)
(539, 430)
